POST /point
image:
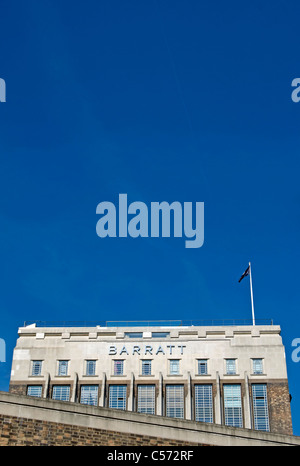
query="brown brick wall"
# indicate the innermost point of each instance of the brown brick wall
(21, 432)
(279, 408)
(18, 389)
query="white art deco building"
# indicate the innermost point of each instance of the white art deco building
(232, 375)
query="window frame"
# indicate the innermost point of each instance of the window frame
(146, 402)
(171, 368)
(146, 364)
(229, 371)
(203, 403)
(122, 388)
(61, 363)
(94, 397)
(233, 405)
(61, 388)
(133, 335)
(160, 334)
(118, 363)
(175, 401)
(36, 363)
(87, 367)
(34, 388)
(203, 363)
(254, 370)
(261, 416)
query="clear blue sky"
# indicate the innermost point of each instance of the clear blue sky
(163, 100)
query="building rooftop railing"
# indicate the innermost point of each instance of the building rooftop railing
(149, 323)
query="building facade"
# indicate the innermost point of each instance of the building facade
(229, 375)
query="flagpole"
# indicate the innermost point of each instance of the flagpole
(251, 291)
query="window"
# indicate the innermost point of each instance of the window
(230, 366)
(174, 401)
(61, 392)
(90, 367)
(146, 399)
(203, 403)
(202, 366)
(160, 334)
(260, 407)
(89, 395)
(34, 390)
(36, 368)
(117, 396)
(257, 365)
(174, 366)
(134, 334)
(63, 368)
(233, 406)
(146, 367)
(118, 367)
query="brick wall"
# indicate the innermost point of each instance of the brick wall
(18, 389)
(279, 408)
(21, 432)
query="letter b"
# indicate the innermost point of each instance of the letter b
(112, 350)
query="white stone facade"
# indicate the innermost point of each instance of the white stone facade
(218, 356)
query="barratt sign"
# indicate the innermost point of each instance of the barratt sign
(169, 350)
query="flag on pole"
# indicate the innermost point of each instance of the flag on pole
(247, 272)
